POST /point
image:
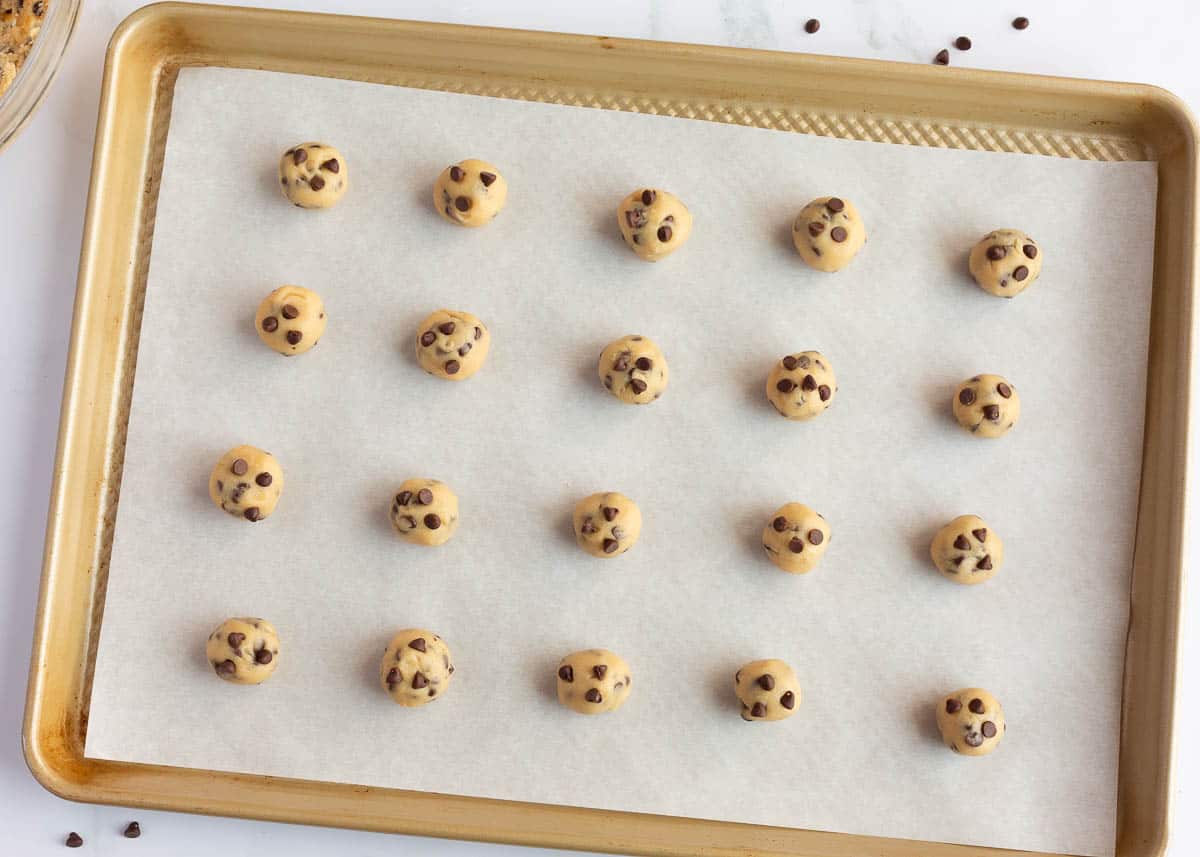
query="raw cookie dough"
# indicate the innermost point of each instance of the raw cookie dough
(967, 550)
(971, 721)
(634, 370)
(416, 667)
(593, 681)
(246, 483)
(769, 690)
(243, 651)
(654, 223)
(469, 193)
(20, 23)
(828, 233)
(795, 538)
(313, 175)
(452, 345)
(1005, 262)
(801, 386)
(290, 320)
(606, 524)
(987, 405)
(425, 511)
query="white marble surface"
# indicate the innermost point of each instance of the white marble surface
(43, 183)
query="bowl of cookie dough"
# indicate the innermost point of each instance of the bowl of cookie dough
(33, 39)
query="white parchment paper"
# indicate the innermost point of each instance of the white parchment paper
(874, 633)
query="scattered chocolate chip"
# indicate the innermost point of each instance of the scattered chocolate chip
(264, 479)
(432, 521)
(566, 673)
(132, 830)
(419, 681)
(838, 234)
(293, 337)
(644, 363)
(466, 348)
(609, 512)
(835, 205)
(478, 333)
(332, 166)
(648, 197)
(1004, 390)
(263, 656)
(236, 639)
(404, 498)
(587, 527)
(410, 521)
(985, 563)
(966, 396)
(803, 361)
(621, 363)
(789, 362)
(759, 710)
(74, 840)
(957, 561)
(487, 179)
(610, 545)
(785, 385)
(1020, 273)
(316, 182)
(289, 311)
(788, 700)
(810, 27)
(462, 203)
(428, 338)
(446, 327)
(988, 728)
(991, 412)
(815, 537)
(779, 524)
(766, 682)
(239, 467)
(962, 43)
(824, 392)
(457, 174)
(599, 670)
(593, 695)
(424, 496)
(942, 57)
(452, 367)
(393, 676)
(638, 385)
(961, 543)
(1030, 251)
(815, 228)
(1021, 23)
(980, 534)
(973, 739)
(796, 545)
(225, 667)
(664, 233)
(251, 514)
(952, 706)
(808, 384)
(299, 156)
(996, 252)
(270, 324)
(976, 706)
(39, 8)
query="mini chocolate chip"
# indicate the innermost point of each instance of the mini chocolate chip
(393, 676)
(815, 537)
(766, 682)
(966, 396)
(962, 43)
(644, 363)
(785, 385)
(789, 362)
(487, 179)
(293, 337)
(251, 514)
(264, 479)
(952, 706)
(961, 543)
(299, 156)
(466, 347)
(664, 233)
(226, 667)
(759, 710)
(779, 524)
(991, 412)
(835, 205)
(457, 174)
(424, 496)
(418, 643)
(419, 681)
(815, 228)
(976, 705)
(988, 728)
(648, 197)
(132, 830)
(808, 384)
(478, 333)
(462, 203)
(996, 252)
(610, 545)
(980, 534)
(1020, 23)
(609, 512)
(452, 367)
(432, 521)
(74, 840)
(587, 527)
(1020, 273)
(593, 695)
(1004, 390)
(220, 485)
(332, 166)
(404, 498)
(796, 545)
(446, 327)
(942, 57)
(638, 385)
(838, 234)
(428, 338)
(788, 700)
(235, 639)
(599, 670)
(316, 182)
(263, 656)
(270, 324)
(985, 563)
(810, 27)
(621, 363)
(973, 739)
(289, 311)
(824, 392)
(239, 466)
(566, 673)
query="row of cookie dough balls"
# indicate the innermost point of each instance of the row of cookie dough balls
(417, 668)
(827, 233)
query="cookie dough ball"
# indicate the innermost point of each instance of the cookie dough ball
(1005, 262)
(607, 524)
(987, 405)
(243, 651)
(828, 233)
(469, 193)
(593, 681)
(769, 690)
(452, 345)
(425, 511)
(801, 386)
(290, 320)
(416, 667)
(654, 223)
(634, 370)
(313, 175)
(795, 538)
(246, 483)
(971, 721)
(967, 550)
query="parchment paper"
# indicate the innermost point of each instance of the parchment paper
(875, 634)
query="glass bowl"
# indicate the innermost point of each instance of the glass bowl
(33, 78)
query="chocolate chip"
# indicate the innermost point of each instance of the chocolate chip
(316, 182)
(270, 324)
(239, 466)
(225, 667)
(621, 363)
(251, 514)
(235, 639)
(1004, 390)
(393, 676)
(1030, 251)
(835, 205)
(985, 563)
(973, 739)
(610, 545)
(593, 695)
(638, 385)
(796, 545)
(815, 537)
(424, 496)
(432, 521)
(566, 673)
(452, 367)
(815, 228)
(1020, 23)
(759, 710)
(404, 498)
(788, 700)
(289, 311)
(462, 203)
(263, 656)
(1020, 273)
(664, 233)
(779, 524)
(457, 174)
(996, 252)
(785, 385)
(419, 681)
(220, 485)
(599, 670)
(446, 327)
(478, 333)
(487, 179)
(961, 543)
(766, 682)
(588, 528)
(991, 412)
(803, 361)
(132, 830)
(74, 840)
(648, 197)
(644, 363)
(332, 166)
(293, 337)
(942, 57)
(838, 234)
(988, 728)
(428, 338)
(299, 156)
(263, 479)
(418, 643)
(824, 392)
(789, 362)
(810, 27)
(952, 706)
(962, 43)
(808, 384)
(976, 706)
(966, 396)
(980, 534)
(410, 521)
(466, 347)
(609, 512)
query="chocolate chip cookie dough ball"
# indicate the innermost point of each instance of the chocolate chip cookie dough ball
(470, 193)
(768, 690)
(313, 175)
(606, 524)
(634, 370)
(246, 483)
(828, 233)
(243, 651)
(801, 386)
(967, 550)
(452, 345)
(425, 511)
(416, 667)
(653, 223)
(987, 405)
(290, 320)
(971, 721)
(795, 538)
(1005, 262)
(593, 681)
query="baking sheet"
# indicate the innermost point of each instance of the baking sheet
(875, 634)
